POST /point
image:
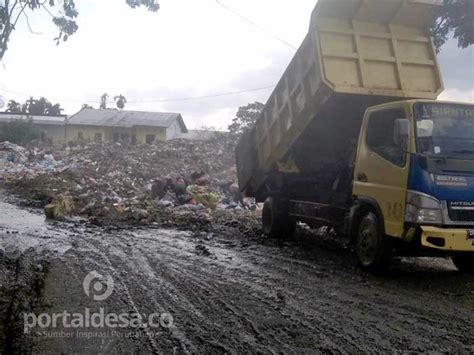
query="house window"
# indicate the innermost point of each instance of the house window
(150, 139)
(98, 137)
(80, 136)
(116, 137)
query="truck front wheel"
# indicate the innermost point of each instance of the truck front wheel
(464, 262)
(372, 246)
(276, 220)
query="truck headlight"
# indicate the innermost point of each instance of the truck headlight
(422, 208)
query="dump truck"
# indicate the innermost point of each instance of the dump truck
(353, 138)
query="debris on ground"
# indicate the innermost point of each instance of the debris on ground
(17, 162)
(61, 206)
(12, 153)
(179, 183)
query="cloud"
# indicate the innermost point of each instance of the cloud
(189, 48)
(457, 66)
(461, 95)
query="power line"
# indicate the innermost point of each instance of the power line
(153, 101)
(184, 98)
(204, 97)
(246, 19)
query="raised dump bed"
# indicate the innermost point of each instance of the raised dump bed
(357, 53)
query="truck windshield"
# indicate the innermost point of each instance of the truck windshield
(445, 130)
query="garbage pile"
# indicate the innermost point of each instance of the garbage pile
(11, 153)
(178, 183)
(17, 162)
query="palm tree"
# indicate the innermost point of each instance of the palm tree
(40, 107)
(54, 110)
(103, 101)
(120, 100)
(28, 106)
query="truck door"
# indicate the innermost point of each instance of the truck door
(381, 170)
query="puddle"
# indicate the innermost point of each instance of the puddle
(21, 229)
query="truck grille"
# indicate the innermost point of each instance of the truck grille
(461, 214)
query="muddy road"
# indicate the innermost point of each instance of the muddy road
(215, 294)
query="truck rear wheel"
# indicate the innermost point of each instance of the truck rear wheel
(276, 220)
(464, 262)
(372, 246)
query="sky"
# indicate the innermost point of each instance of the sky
(189, 48)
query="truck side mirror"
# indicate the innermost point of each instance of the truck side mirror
(401, 128)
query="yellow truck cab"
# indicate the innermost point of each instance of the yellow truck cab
(353, 138)
(415, 172)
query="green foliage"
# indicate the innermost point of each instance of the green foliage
(12, 10)
(151, 5)
(54, 110)
(85, 106)
(19, 132)
(121, 101)
(457, 17)
(14, 107)
(33, 106)
(245, 119)
(103, 101)
(66, 24)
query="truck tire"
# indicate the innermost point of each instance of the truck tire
(276, 220)
(372, 246)
(464, 262)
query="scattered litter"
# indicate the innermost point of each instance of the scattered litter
(12, 154)
(179, 183)
(60, 207)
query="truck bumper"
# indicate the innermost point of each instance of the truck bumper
(447, 239)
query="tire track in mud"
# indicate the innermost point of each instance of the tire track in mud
(247, 295)
(324, 315)
(116, 268)
(390, 301)
(199, 282)
(20, 293)
(177, 294)
(378, 312)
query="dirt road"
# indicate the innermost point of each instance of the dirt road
(216, 294)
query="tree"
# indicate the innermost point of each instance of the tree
(27, 106)
(11, 11)
(455, 16)
(86, 106)
(54, 110)
(19, 132)
(120, 100)
(13, 106)
(35, 107)
(103, 101)
(245, 118)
